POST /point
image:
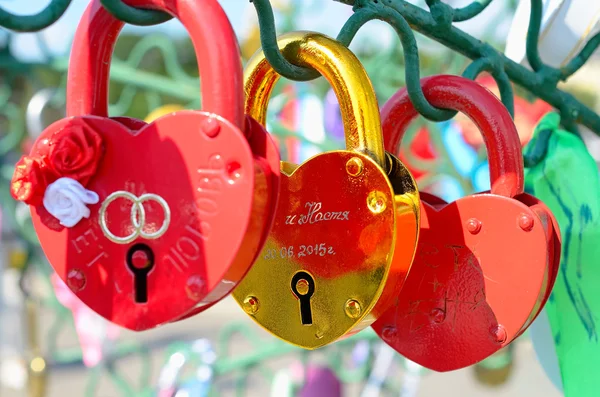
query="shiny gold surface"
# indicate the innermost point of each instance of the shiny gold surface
(353, 308)
(376, 201)
(251, 305)
(358, 103)
(302, 286)
(323, 226)
(329, 266)
(354, 166)
(408, 224)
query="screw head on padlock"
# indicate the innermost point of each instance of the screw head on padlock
(329, 266)
(136, 218)
(486, 263)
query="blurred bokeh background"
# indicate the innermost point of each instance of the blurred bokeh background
(52, 345)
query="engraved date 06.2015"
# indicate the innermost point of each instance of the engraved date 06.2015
(299, 251)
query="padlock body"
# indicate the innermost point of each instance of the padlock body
(554, 244)
(267, 163)
(170, 188)
(408, 212)
(478, 279)
(335, 225)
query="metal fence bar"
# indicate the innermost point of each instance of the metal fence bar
(403, 17)
(33, 23)
(437, 25)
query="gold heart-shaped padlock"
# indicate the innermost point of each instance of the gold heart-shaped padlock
(347, 222)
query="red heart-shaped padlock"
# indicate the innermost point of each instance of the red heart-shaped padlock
(485, 263)
(170, 215)
(260, 142)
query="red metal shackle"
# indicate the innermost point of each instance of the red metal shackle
(213, 38)
(482, 107)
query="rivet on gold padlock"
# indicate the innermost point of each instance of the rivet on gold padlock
(347, 223)
(354, 166)
(353, 309)
(251, 305)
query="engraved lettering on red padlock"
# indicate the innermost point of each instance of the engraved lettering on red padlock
(187, 248)
(168, 185)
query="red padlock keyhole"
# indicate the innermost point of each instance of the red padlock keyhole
(192, 166)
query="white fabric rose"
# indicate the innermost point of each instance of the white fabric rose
(66, 200)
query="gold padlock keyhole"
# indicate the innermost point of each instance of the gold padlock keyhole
(340, 193)
(303, 287)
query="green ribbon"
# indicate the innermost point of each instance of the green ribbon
(565, 177)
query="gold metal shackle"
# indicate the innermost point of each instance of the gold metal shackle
(345, 73)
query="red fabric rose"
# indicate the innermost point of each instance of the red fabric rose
(30, 180)
(74, 152)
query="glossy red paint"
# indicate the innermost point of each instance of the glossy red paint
(486, 263)
(262, 145)
(211, 34)
(215, 176)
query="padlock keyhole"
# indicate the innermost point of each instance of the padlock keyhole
(303, 287)
(140, 260)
